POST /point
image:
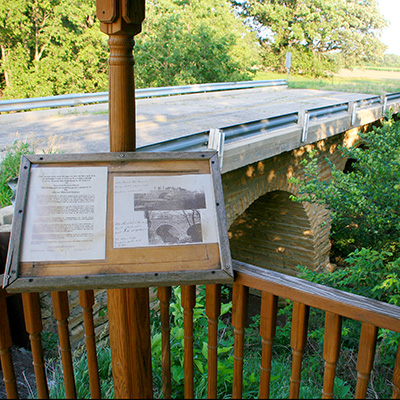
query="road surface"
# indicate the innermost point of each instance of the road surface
(84, 129)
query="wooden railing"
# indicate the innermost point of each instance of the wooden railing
(303, 294)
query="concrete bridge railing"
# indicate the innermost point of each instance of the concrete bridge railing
(246, 143)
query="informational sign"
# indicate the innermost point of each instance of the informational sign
(118, 220)
(65, 215)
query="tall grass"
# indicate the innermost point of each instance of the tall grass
(336, 83)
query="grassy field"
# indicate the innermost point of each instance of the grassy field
(356, 81)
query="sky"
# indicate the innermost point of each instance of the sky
(390, 9)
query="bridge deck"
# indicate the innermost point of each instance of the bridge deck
(85, 128)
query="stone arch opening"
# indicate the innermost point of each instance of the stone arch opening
(278, 234)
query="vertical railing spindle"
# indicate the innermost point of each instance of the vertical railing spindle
(332, 335)
(396, 376)
(33, 324)
(86, 300)
(188, 300)
(239, 321)
(213, 311)
(61, 314)
(5, 350)
(365, 360)
(164, 295)
(269, 307)
(298, 341)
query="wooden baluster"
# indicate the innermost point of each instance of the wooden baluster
(333, 332)
(33, 323)
(164, 295)
(5, 350)
(298, 341)
(61, 314)
(188, 300)
(269, 306)
(239, 321)
(86, 300)
(365, 360)
(213, 311)
(140, 342)
(396, 376)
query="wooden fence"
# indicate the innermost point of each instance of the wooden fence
(272, 285)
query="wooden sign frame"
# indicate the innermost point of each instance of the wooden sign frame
(118, 220)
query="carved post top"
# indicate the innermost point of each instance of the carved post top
(120, 16)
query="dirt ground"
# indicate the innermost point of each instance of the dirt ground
(368, 74)
(24, 374)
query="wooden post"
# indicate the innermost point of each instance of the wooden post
(128, 308)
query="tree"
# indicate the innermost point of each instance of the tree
(364, 202)
(193, 41)
(313, 29)
(51, 47)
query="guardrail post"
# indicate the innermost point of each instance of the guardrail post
(353, 111)
(304, 120)
(216, 141)
(384, 104)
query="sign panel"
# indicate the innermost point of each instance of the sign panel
(118, 220)
(65, 215)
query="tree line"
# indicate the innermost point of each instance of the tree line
(51, 47)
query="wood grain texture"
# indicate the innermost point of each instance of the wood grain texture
(5, 350)
(188, 300)
(298, 340)
(268, 315)
(239, 321)
(33, 324)
(125, 261)
(119, 344)
(164, 295)
(213, 311)
(396, 376)
(332, 335)
(61, 314)
(365, 359)
(318, 296)
(86, 300)
(138, 321)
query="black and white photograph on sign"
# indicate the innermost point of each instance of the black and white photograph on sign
(158, 211)
(65, 214)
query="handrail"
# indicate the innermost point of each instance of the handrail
(303, 294)
(347, 304)
(65, 100)
(336, 304)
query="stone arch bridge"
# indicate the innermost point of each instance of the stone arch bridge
(266, 228)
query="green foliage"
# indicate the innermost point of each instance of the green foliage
(10, 163)
(200, 349)
(51, 47)
(369, 273)
(9, 168)
(193, 42)
(314, 29)
(364, 203)
(81, 373)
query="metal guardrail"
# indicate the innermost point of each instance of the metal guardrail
(199, 141)
(70, 100)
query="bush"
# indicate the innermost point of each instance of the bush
(9, 168)
(365, 202)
